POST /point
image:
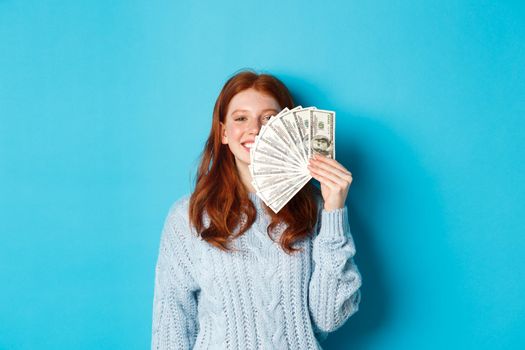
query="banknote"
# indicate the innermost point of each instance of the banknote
(280, 202)
(322, 135)
(263, 182)
(269, 141)
(271, 194)
(302, 120)
(262, 158)
(288, 122)
(280, 130)
(269, 152)
(280, 153)
(265, 169)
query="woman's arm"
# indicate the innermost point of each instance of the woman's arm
(334, 285)
(334, 293)
(175, 301)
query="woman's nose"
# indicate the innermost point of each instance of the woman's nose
(254, 126)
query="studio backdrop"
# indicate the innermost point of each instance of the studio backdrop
(105, 107)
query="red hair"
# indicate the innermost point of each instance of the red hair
(219, 193)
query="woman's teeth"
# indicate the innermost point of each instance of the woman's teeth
(248, 144)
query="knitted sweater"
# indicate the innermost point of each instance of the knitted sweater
(258, 297)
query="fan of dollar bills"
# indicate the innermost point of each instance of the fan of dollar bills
(279, 156)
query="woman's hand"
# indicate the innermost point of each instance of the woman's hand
(334, 178)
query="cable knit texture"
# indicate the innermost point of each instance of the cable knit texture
(258, 297)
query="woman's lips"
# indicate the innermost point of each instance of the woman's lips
(247, 145)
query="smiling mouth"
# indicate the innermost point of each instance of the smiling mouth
(247, 145)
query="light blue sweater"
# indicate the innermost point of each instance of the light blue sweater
(256, 298)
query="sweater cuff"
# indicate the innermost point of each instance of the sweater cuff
(334, 225)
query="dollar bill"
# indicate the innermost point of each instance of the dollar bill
(284, 110)
(270, 180)
(272, 193)
(259, 158)
(281, 150)
(280, 190)
(269, 142)
(263, 182)
(322, 133)
(280, 202)
(283, 132)
(270, 153)
(265, 169)
(288, 122)
(302, 121)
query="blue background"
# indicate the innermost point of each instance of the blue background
(105, 107)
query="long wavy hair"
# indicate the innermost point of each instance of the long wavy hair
(219, 193)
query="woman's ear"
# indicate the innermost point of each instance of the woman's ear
(224, 138)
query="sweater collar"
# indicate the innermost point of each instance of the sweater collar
(259, 205)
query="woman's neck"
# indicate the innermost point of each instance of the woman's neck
(246, 177)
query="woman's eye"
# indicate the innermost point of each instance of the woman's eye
(239, 118)
(267, 117)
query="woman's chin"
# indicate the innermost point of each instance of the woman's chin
(242, 162)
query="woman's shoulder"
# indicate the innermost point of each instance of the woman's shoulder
(178, 220)
(179, 211)
(181, 205)
(177, 236)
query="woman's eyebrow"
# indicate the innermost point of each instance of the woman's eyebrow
(239, 111)
(270, 110)
(245, 110)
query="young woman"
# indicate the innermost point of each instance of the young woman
(231, 274)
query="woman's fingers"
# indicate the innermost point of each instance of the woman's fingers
(333, 162)
(325, 181)
(334, 178)
(332, 171)
(335, 181)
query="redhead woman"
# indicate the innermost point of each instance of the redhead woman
(231, 273)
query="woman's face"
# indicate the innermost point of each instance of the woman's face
(246, 113)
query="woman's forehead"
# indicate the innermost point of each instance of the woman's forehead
(252, 100)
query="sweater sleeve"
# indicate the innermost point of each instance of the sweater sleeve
(175, 297)
(334, 293)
